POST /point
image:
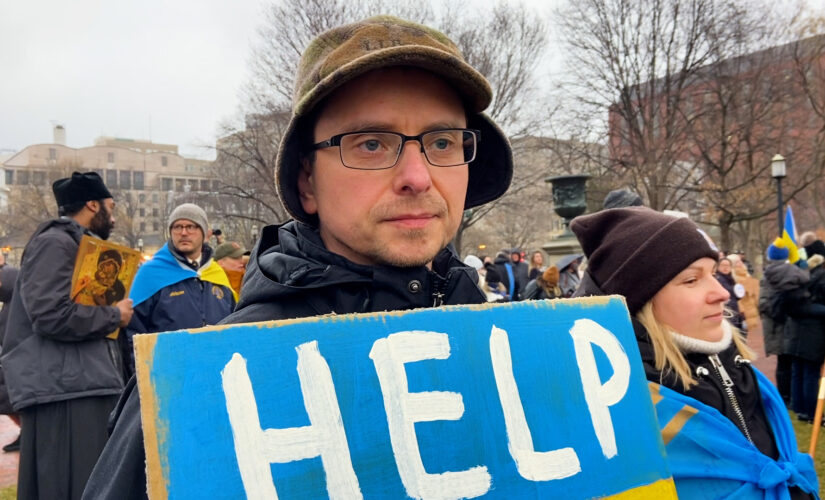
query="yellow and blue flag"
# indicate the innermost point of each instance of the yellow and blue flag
(789, 236)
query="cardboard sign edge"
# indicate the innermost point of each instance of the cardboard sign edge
(155, 479)
(145, 345)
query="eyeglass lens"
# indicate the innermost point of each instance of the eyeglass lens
(377, 150)
(179, 228)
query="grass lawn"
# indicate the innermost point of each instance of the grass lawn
(803, 437)
(9, 493)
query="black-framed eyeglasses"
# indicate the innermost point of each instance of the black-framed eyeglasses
(380, 150)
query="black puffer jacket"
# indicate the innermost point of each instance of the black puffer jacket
(779, 277)
(290, 275)
(710, 389)
(804, 335)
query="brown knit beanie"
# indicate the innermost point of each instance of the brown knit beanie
(551, 276)
(636, 251)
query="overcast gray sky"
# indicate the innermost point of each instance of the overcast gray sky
(162, 70)
(168, 71)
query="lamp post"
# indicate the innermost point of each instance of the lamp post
(140, 246)
(254, 234)
(778, 173)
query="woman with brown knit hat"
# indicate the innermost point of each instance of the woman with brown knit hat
(725, 427)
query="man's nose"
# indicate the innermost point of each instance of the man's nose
(412, 172)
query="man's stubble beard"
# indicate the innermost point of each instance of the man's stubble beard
(383, 255)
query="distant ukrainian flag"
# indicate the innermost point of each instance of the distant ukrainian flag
(789, 236)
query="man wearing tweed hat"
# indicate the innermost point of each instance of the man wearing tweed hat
(182, 286)
(386, 148)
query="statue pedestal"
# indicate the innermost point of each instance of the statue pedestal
(558, 248)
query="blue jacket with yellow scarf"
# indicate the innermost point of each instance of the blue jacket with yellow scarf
(170, 294)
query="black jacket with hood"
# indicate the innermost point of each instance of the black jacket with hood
(54, 348)
(780, 281)
(291, 275)
(710, 389)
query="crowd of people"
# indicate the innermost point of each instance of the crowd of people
(372, 222)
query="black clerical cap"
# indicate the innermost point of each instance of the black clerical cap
(80, 187)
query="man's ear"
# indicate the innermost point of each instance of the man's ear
(93, 206)
(306, 188)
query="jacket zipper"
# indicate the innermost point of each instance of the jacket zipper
(438, 289)
(727, 384)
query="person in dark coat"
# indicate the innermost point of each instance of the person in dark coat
(811, 244)
(536, 266)
(181, 286)
(729, 415)
(778, 281)
(804, 339)
(388, 248)
(63, 375)
(569, 274)
(508, 275)
(8, 277)
(546, 286)
(725, 276)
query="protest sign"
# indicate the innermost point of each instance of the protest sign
(542, 399)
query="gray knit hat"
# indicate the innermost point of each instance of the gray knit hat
(190, 211)
(344, 53)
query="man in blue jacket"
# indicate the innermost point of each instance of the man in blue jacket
(182, 286)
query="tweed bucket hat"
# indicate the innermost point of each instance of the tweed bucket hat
(347, 52)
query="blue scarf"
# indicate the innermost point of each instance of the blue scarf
(164, 270)
(709, 456)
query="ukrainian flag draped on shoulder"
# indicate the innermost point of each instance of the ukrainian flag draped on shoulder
(709, 456)
(164, 270)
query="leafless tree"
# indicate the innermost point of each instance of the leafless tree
(504, 42)
(695, 97)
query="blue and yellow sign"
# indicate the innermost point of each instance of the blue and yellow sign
(540, 399)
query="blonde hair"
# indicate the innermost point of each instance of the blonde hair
(531, 265)
(667, 356)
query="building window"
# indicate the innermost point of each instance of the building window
(204, 185)
(155, 226)
(111, 178)
(52, 154)
(142, 212)
(141, 196)
(179, 185)
(166, 185)
(155, 212)
(9, 177)
(163, 161)
(138, 180)
(110, 157)
(154, 197)
(215, 185)
(39, 178)
(23, 177)
(142, 227)
(126, 179)
(98, 171)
